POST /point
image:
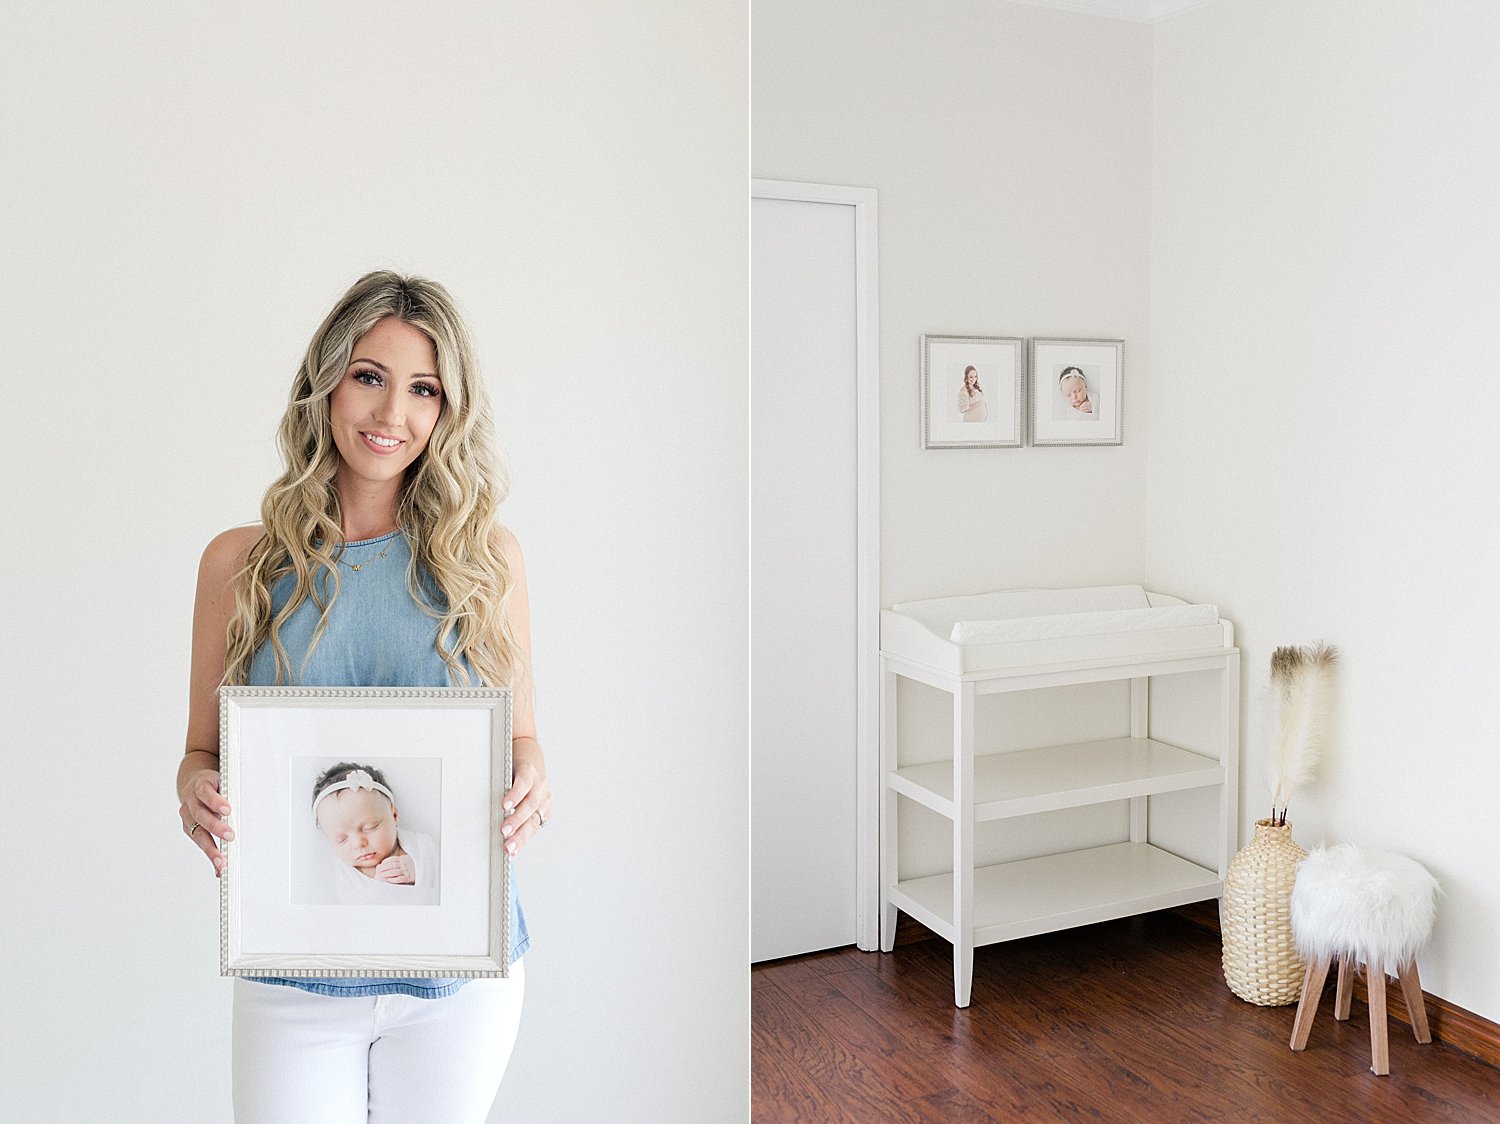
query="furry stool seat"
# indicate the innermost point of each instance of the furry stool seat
(1362, 907)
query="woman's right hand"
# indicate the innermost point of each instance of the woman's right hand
(202, 814)
(201, 805)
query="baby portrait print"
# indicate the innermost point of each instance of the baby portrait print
(1076, 396)
(365, 830)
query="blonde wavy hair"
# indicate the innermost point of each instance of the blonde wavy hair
(447, 504)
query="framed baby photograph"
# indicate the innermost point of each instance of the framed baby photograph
(1076, 387)
(366, 831)
(973, 392)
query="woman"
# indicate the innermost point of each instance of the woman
(378, 562)
(971, 407)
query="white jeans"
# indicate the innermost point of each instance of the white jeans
(380, 1059)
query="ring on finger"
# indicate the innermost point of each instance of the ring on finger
(541, 820)
(193, 829)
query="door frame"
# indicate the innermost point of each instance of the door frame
(867, 537)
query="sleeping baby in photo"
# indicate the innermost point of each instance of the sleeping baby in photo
(376, 861)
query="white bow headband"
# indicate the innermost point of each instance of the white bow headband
(358, 779)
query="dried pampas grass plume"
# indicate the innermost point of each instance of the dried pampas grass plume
(1302, 687)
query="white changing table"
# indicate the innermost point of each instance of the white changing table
(1020, 640)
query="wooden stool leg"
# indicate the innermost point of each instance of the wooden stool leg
(1380, 1060)
(1416, 1006)
(1307, 1006)
(1345, 992)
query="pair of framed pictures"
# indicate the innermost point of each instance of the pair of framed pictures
(366, 831)
(975, 392)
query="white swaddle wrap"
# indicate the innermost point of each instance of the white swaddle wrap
(355, 889)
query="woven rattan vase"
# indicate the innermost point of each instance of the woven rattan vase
(1261, 964)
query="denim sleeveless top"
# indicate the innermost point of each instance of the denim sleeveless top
(377, 636)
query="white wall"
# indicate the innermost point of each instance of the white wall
(1306, 277)
(1011, 149)
(1325, 275)
(186, 189)
(1010, 146)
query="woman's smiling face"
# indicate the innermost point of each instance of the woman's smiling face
(361, 825)
(384, 409)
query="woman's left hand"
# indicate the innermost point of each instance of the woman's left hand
(528, 804)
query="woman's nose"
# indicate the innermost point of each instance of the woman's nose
(391, 409)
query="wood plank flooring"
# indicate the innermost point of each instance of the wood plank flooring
(1128, 1020)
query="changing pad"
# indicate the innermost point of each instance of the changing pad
(1018, 627)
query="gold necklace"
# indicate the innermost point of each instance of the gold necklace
(357, 566)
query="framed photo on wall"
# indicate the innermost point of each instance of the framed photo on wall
(367, 831)
(1076, 390)
(973, 392)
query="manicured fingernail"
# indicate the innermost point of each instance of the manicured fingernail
(509, 808)
(510, 848)
(506, 830)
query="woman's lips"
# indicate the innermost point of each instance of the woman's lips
(381, 443)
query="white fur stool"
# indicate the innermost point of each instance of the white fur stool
(1362, 907)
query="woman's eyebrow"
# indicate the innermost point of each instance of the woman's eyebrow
(387, 370)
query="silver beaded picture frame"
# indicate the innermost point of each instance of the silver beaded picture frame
(973, 392)
(420, 890)
(1077, 389)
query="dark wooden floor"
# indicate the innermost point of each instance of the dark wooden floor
(1128, 1020)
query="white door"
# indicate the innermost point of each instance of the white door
(803, 577)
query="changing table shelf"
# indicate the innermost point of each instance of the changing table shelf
(1029, 640)
(1022, 899)
(1023, 782)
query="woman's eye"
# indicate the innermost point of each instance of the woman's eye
(369, 378)
(425, 389)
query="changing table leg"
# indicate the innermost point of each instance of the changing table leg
(963, 842)
(1140, 727)
(1229, 757)
(963, 972)
(889, 685)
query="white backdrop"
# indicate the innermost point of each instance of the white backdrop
(186, 189)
